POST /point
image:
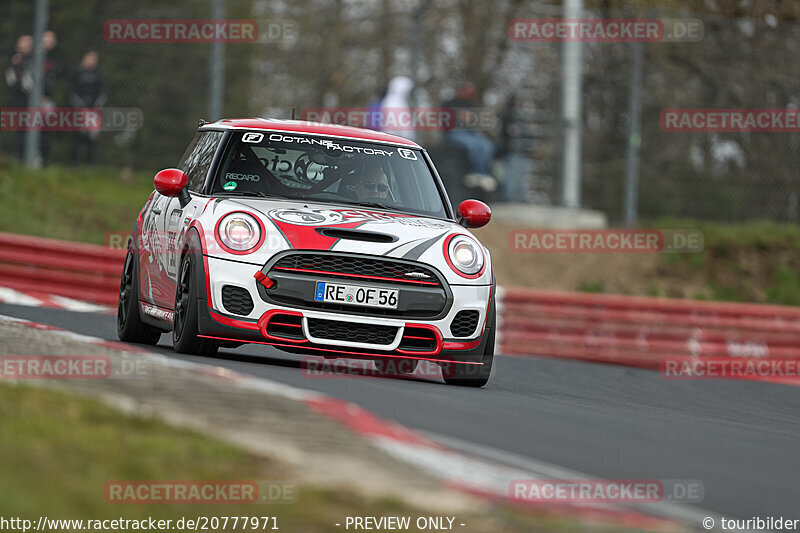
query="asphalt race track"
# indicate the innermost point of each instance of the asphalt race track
(741, 439)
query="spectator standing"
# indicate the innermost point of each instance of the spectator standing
(19, 78)
(479, 148)
(373, 120)
(396, 103)
(514, 145)
(87, 90)
(51, 66)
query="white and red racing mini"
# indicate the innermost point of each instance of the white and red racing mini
(315, 239)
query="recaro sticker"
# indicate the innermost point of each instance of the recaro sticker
(242, 177)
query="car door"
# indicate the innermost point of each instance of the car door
(150, 257)
(173, 220)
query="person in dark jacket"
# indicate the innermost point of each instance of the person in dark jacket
(19, 78)
(18, 75)
(479, 148)
(514, 147)
(87, 90)
(51, 65)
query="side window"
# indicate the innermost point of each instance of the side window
(197, 159)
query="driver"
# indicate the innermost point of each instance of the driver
(372, 185)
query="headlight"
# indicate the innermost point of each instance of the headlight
(239, 232)
(465, 255)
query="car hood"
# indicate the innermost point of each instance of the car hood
(295, 225)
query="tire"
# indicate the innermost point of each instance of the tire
(185, 327)
(473, 375)
(395, 366)
(130, 327)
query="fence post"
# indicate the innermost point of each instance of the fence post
(33, 156)
(634, 139)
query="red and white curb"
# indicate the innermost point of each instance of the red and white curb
(470, 468)
(111, 345)
(41, 299)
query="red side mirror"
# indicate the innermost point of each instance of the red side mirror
(171, 182)
(474, 214)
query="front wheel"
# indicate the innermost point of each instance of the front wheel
(184, 327)
(130, 327)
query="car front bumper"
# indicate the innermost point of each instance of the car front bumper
(217, 322)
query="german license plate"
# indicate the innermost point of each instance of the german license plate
(355, 295)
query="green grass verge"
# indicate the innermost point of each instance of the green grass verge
(58, 451)
(760, 235)
(79, 204)
(754, 262)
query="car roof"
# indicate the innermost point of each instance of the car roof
(310, 128)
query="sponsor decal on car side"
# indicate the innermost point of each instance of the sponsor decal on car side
(157, 312)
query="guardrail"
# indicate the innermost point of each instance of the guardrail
(81, 271)
(641, 331)
(628, 330)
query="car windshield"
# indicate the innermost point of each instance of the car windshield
(310, 168)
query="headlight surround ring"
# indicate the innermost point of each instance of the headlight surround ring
(465, 256)
(239, 233)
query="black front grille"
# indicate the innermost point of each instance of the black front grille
(296, 274)
(348, 331)
(464, 323)
(286, 326)
(237, 300)
(357, 267)
(418, 340)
